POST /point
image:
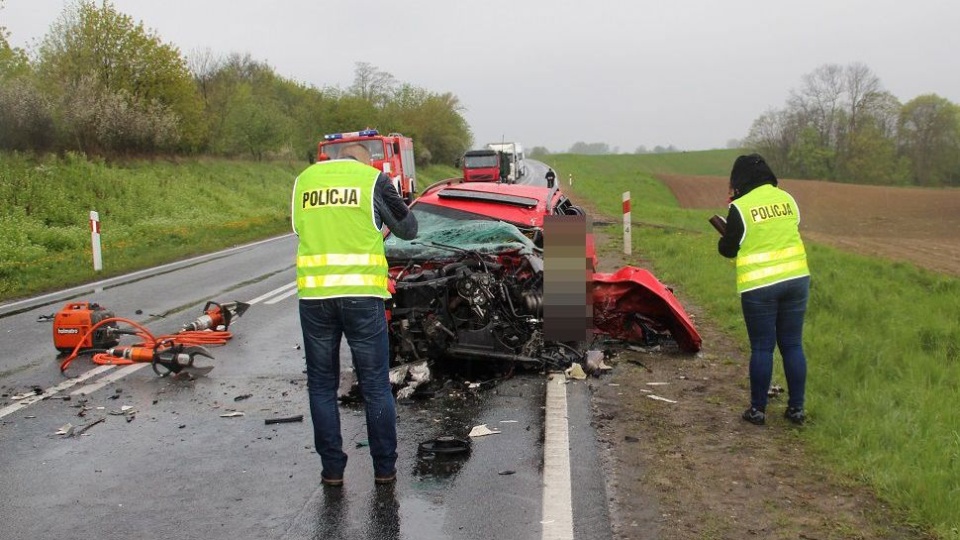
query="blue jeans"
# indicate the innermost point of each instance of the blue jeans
(774, 316)
(363, 321)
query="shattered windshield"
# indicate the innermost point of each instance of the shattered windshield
(445, 231)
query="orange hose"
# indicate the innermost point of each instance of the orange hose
(185, 338)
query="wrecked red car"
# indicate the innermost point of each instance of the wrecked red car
(470, 286)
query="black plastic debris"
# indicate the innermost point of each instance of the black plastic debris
(284, 420)
(446, 445)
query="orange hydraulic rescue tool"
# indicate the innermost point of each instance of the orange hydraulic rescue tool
(170, 354)
(216, 315)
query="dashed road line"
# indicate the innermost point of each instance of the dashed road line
(24, 403)
(115, 376)
(278, 290)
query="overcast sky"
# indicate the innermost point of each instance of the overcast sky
(688, 73)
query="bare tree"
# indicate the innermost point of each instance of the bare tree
(371, 84)
(204, 65)
(861, 86)
(819, 100)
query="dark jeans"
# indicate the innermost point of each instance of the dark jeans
(363, 321)
(774, 316)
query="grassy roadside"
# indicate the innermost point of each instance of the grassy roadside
(151, 212)
(883, 338)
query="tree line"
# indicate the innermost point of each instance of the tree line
(101, 83)
(841, 125)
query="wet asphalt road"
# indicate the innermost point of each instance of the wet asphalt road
(174, 467)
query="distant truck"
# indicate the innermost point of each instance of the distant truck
(484, 165)
(513, 152)
(392, 154)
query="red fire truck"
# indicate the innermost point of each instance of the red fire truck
(392, 154)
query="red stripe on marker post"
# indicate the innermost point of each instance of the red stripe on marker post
(627, 237)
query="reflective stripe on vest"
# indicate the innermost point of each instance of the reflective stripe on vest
(771, 250)
(341, 259)
(341, 249)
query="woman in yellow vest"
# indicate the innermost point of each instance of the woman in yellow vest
(762, 234)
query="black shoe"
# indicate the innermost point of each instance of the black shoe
(754, 416)
(795, 415)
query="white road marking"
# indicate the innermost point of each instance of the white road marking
(557, 518)
(115, 376)
(281, 297)
(274, 292)
(53, 390)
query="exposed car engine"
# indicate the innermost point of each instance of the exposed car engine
(476, 306)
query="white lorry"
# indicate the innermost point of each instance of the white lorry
(514, 154)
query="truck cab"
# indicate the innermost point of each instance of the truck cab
(482, 166)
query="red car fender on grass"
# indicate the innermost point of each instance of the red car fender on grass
(620, 298)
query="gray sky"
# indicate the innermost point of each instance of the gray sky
(691, 73)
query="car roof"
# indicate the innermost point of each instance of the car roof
(516, 203)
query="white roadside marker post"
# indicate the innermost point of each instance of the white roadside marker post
(95, 240)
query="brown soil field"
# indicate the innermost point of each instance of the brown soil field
(917, 225)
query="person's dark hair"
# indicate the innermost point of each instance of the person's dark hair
(749, 172)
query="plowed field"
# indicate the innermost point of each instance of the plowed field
(918, 225)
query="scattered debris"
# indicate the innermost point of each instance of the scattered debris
(575, 371)
(655, 348)
(481, 430)
(80, 430)
(65, 429)
(775, 390)
(412, 375)
(631, 438)
(243, 397)
(506, 473)
(658, 398)
(232, 414)
(657, 383)
(284, 420)
(593, 360)
(124, 410)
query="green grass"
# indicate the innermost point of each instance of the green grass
(882, 339)
(151, 212)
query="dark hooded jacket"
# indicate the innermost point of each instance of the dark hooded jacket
(748, 173)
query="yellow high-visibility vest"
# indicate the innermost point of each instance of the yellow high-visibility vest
(341, 248)
(771, 250)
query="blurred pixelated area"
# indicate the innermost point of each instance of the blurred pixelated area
(567, 279)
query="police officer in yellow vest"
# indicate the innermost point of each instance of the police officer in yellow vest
(762, 234)
(339, 207)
